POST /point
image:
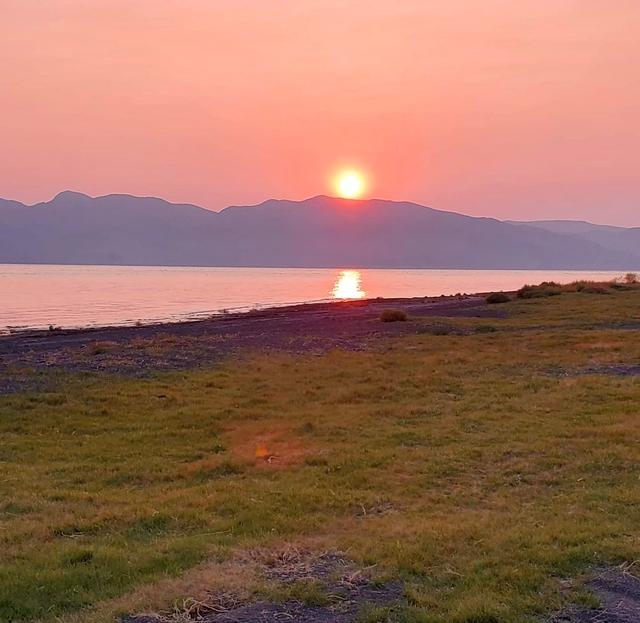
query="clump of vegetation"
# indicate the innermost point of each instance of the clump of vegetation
(393, 315)
(81, 557)
(440, 329)
(589, 287)
(596, 289)
(100, 348)
(546, 288)
(550, 288)
(498, 297)
(485, 328)
(222, 470)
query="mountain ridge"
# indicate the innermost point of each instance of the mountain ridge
(321, 231)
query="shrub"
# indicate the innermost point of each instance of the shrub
(485, 328)
(546, 288)
(100, 348)
(595, 289)
(578, 286)
(498, 297)
(590, 287)
(631, 278)
(439, 329)
(614, 285)
(81, 557)
(393, 315)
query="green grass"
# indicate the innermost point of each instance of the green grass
(474, 466)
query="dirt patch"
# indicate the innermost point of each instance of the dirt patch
(312, 588)
(618, 592)
(617, 369)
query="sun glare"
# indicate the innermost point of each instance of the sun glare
(350, 184)
(347, 285)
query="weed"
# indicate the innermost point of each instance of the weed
(393, 315)
(498, 297)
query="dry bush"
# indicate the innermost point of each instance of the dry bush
(393, 315)
(100, 348)
(546, 288)
(497, 297)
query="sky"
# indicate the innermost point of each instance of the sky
(521, 110)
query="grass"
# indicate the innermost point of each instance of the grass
(551, 288)
(478, 467)
(497, 298)
(393, 315)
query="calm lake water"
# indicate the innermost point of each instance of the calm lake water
(35, 296)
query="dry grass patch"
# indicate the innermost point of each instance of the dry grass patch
(393, 315)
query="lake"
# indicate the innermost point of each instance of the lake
(36, 296)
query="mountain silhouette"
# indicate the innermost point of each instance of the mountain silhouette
(74, 228)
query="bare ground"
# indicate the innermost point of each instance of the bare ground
(619, 594)
(341, 590)
(299, 329)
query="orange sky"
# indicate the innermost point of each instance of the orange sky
(527, 109)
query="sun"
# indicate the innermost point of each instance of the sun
(350, 184)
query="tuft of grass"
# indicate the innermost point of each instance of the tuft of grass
(100, 348)
(596, 289)
(81, 557)
(393, 315)
(439, 329)
(485, 328)
(545, 289)
(551, 288)
(497, 297)
(224, 469)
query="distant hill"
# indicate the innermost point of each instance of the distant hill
(608, 236)
(322, 231)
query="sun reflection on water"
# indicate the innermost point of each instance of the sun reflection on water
(347, 285)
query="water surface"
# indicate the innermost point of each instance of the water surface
(36, 296)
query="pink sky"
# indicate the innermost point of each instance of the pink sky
(527, 109)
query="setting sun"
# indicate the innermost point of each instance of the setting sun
(350, 184)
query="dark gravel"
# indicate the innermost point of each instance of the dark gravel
(299, 329)
(619, 595)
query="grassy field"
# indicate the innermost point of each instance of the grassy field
(480, 469)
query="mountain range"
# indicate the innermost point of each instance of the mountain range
(74, 228)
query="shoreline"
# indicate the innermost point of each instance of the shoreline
(237, 314)
(304, 328)
(128, 298)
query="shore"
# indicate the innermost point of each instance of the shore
(475, 462)
(348, 325)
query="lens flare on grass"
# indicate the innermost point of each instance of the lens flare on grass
(347, 285)
(262, 452)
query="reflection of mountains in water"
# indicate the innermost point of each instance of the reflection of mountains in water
(318, 232)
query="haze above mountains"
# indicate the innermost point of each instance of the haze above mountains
(322, 231)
